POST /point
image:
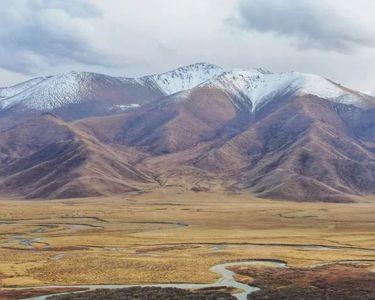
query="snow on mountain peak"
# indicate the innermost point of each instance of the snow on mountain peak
(57, 91)
(54, 91)
(20, 87)
(249, 88)
(183, 78)
(256, 87)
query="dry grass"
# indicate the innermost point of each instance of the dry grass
(139, 239)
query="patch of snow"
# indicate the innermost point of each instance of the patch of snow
(179, 96)
(324, 88)
(124, 107)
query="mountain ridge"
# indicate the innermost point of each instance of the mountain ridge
(287, 136)
(54, 92)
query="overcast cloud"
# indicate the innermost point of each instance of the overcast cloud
(38, 34)
(310, 23)
(333, 38)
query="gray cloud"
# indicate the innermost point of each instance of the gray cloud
(38, 34)
(75, 8)
(310, 23)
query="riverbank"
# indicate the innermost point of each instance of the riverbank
(227, 280)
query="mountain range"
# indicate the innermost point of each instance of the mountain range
(202, 127)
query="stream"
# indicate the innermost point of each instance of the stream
(226, 280)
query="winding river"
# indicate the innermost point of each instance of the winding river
(227, 280)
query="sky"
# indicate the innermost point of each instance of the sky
(332, 38)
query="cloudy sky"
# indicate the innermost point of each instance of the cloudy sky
(333, 38)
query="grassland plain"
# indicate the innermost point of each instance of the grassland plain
(171, 235)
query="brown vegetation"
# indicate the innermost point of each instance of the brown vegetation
(331, 282)
(150, 293)
(12, 294)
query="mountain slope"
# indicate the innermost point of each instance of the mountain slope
(18, 88)
(304, 150)
(174, 125)
(51, 159)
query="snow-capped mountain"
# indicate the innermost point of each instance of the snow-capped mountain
(78, 94)
(57, 91)
(181, 79)
(53, 92)
(254, 88)
(18, 88)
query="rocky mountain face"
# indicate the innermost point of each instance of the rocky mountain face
(285, 136)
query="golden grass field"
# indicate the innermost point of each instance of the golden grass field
(172, 236)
